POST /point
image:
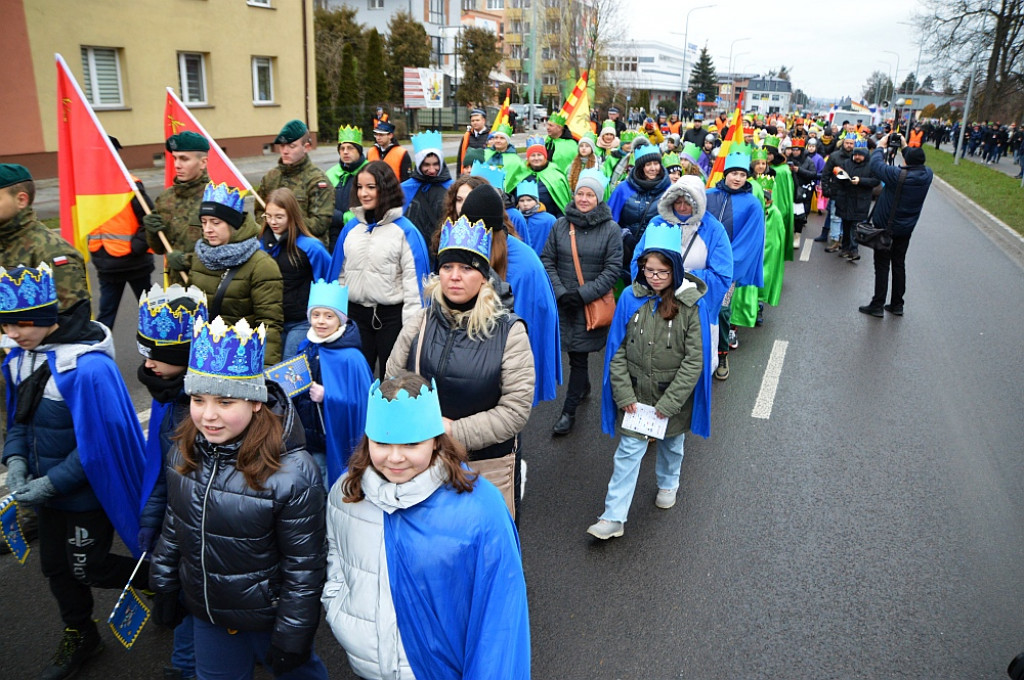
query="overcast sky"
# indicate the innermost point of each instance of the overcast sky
(800, 35)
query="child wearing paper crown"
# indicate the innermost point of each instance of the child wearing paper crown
(425, 574)
(654, 357)
(242, 543)
(73, 451)
(333, 411)
(539, 221)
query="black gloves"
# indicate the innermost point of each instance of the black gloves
(167, 609)
(571, 301)
(282, 662)
(147, 538)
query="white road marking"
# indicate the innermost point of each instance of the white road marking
(805, 251)
(144, 417)
(770, 381)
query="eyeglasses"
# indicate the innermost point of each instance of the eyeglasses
(657, 274)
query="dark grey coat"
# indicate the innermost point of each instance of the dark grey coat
(599, 241)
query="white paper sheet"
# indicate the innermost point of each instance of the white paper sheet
(644, 421)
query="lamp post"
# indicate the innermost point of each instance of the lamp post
(732, 75)
(879, 94)
(732, 85)
(686, 46)
(896, 76)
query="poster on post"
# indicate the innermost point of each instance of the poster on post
(424, 88)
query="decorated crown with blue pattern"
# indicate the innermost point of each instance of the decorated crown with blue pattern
(663, 237)
(535, 140)
(224, 195)
(406, 419)
(24, 290)
(329, 294)
(465, 235)
(495, 176)
(227, 360)
(166, 317)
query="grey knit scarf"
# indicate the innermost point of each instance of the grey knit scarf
(218, 258)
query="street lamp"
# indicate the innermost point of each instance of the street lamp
(686, 46)
(732, 97)
(877, 94)
(732, 75)
(897, 75)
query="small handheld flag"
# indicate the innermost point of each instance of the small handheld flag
(292, 375)
(130, 613)
(13, 536)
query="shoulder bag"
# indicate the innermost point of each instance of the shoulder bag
(878, 238)
(600, 311)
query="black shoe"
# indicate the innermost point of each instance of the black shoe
(873, 311)
(77, 646)
(894, 309)
(564, 424)
(760, 314)
(823, 237)
(853, 256)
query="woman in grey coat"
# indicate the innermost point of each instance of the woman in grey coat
(599, 243)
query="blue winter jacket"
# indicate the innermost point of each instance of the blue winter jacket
(912, 195)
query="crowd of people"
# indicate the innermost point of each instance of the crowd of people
(431, 313)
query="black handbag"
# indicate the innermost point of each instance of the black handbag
(879, 238)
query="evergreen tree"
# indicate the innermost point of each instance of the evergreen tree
(478, 56)
(375, 85)
(927, 85)
(333, 31)
(703, 78)
(349, 94)
(908, 85)
(408, 45)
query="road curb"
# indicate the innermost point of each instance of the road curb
(998, 232)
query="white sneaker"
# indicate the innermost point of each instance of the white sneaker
(666, 498)
(605, 529)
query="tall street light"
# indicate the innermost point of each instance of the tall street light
(879, 96)
(897, 75)
(732, 75)
(686, 47)
(732, 86)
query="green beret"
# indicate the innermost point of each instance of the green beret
(292, 130)
(472, 155)
(12, 173)
(187, 141)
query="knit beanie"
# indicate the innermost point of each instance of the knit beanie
(594, 180)
(486, 204)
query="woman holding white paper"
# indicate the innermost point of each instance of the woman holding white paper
(654, 359)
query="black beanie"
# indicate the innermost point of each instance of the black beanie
(913, 155)
(461, 256)
(485, 203)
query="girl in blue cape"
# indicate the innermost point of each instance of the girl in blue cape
(653, 358)
(333, 411)
(707, 255)
(424, 576)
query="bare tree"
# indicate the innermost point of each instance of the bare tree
(585, 28)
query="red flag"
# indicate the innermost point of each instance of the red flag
(95, 187)
(735, 136)
(178, 118)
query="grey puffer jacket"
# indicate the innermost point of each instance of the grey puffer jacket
(246, 559)
(599, 242)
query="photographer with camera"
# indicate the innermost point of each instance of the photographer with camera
(892, 143)
(902, 198)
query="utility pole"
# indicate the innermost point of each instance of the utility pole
(967, 112)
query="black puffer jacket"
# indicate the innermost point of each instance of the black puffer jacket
(245, 559)
(854, 203)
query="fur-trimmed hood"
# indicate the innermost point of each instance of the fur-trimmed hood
(690, 187)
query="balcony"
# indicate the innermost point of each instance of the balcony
(513, 38)
(512, 14)
(513, 64)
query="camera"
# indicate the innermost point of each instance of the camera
(895, 140)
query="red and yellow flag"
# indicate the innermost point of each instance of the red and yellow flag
(95, 187)
(735, 136)
(502, 117)
(177, 118)
(576, 108)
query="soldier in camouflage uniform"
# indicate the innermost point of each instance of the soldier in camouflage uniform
(176, 212)
(309, 183)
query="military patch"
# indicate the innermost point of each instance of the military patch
(60, 260)
(321, 185)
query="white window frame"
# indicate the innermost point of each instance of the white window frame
(91, 82)
(186, 97)
(374, 4)
(495, 4)
(258, 3)
(435, 12)
(256, 64)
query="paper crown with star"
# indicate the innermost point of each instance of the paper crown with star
(166, 318)
(406, 419)
(28, 296)
(349, 134)
(495, 176)
(226, 360)
(462, 234)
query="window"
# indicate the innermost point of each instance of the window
(375, 4)
(102, 76)
(495, 4)
(192, 76)
(549, 79)
(467, 5)
(259, 3)
(515, 51)
(775, 97)
(262, 80)
(436, 12)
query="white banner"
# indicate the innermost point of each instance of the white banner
(424, 88)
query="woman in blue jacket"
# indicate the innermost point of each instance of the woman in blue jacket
(634, 203)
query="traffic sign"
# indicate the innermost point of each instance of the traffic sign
(701, 97)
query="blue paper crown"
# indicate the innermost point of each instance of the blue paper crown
(663, 237)
(646, 150)
(429, 140)
(229, 352)
(405, 419)
(166, 325)
(25, 288)
(465, 235)
(494, 176)
(528, 188)
(535, 140)
(851, 135)
(225, 195)
(330, 294)
(737, 160)
(860, 144)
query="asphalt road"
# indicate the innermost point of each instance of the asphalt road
(871, 527)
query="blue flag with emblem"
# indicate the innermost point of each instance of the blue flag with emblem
(292, 375)
(130, 613)
(13, 536)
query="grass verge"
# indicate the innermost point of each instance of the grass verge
(993, 190)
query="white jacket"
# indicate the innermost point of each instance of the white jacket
(378, 267)
(357, 595)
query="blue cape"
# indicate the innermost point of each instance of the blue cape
(412, 185)
(540, 226)
(108, 435)
(316, 253)
(534, 301)
(747, 215)
(457, 583)
(519, 222)
(154, 449)
(412, 236)
(717, 274)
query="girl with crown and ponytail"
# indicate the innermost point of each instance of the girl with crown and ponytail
(406, 512)
(243, 538)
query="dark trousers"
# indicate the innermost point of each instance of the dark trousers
(379, 328)
(579, 381)
(74, 553)
(110, 296)
(847, 242)
(897, 257)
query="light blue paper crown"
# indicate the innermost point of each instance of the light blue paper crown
(429, 140)
(166, 325)
(860, 144)
(465, 235)
(663, 237)
(225, 195)
(644, 151)
(404, 419)
(737, 160)
(528, 188)
(25, 288)
(330, 294)
(494, 176)
(534, 140)
(227, 360)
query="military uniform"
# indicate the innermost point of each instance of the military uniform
(312, 190)
(24, 240)
(178, 205)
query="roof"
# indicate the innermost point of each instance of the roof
(769, 85)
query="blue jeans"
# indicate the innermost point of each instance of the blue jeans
(627, 468)
(293, 333)
(221, 655)
(183, 656)
(835, 225)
